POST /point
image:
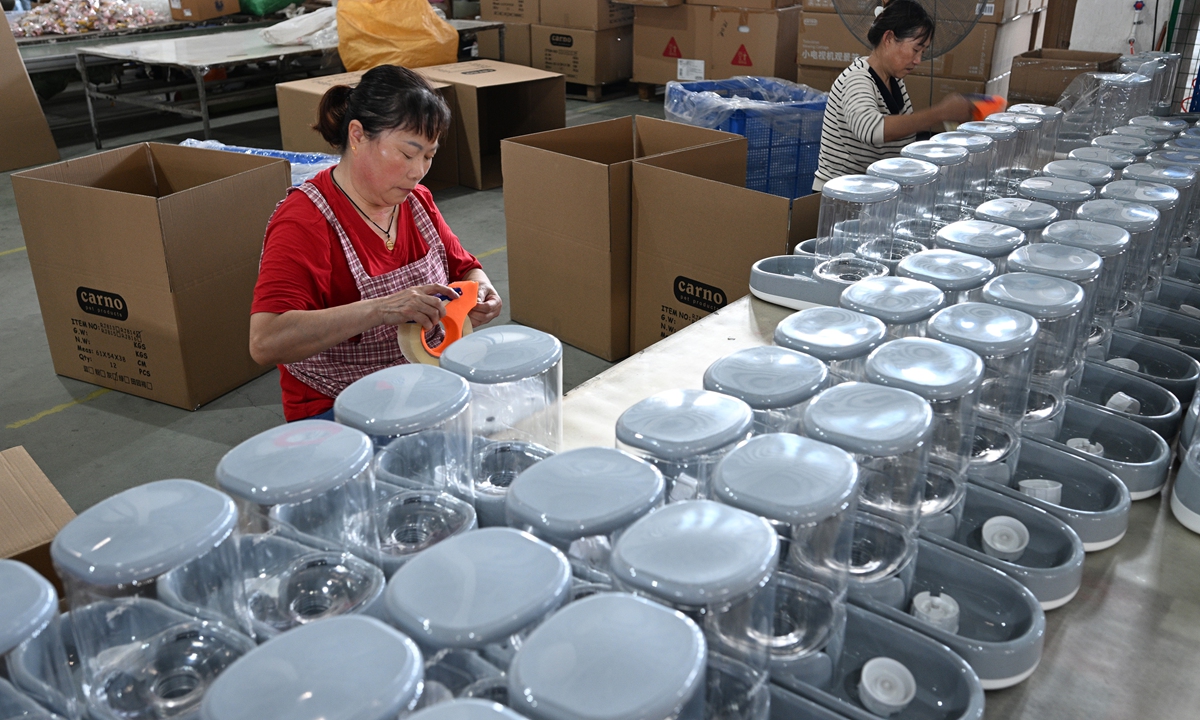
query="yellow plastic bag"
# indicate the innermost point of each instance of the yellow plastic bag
(393, 32)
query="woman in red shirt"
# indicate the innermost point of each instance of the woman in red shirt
(361, 248)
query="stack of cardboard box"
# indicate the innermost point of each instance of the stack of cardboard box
(518, 16)
(589, 42)
(710, 40)
(980, 63)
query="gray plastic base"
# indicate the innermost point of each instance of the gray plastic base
(1175, 293)
(789, 280)
(1188, 270)
(14, 704)
(1160, 410)
(1170, 328)
(1095, 503)
(1188, 433)
(1171, 369)
(1136, 454)
(1052, 564)
(947, 687)
(1001, 626)
(787, 705)
(1185, 497)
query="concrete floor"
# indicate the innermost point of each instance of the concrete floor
(92, 442)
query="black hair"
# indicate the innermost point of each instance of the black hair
(387, 97)
(905, 18)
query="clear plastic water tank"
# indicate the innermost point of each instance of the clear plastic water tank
(1064, 195)
(980, 165)
(1028, 216)
(684, 433)
(918, 181)
(1191, 161)
(1110, 243)
(1168, 238)
(306, 503)
(1174, 125)
(808, 491)
(1141, 222)
(712, 562)
(1183, 142)
(30, 625)
(840, 338)
(952, 162)
(1164, 100)
(774, 381)
(902, 304)
(958, 275)
(948, 377)
(1029, 147)
(1138, 147)
(1051, 123)
(1115, 159)
(1183, 179)
(139, 657)
(1004, 340)
(982, 238)
(1004, 176)
(350, 667)
(855, 210)
(1119, 97)
(1156, 136)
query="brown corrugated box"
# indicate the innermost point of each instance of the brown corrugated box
(197, 10)
(26, 135)
(300, 100)
(651, 3)
(516, 44)
(515, 11)
(820, 78)
(918, 87)
(144, 259)
(818, 6)
(567, 210)
(754, 42)
(31, 513)
(747, 4)
(1041, 76)
(663, 37)
(585, 14)
(495, 101)
(589, 57)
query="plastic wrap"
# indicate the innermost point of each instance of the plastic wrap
(304, 165)
(318, 29)
(71, 17)
(782, 121)
(1095, 102)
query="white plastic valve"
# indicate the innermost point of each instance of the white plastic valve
(1042, 489)
(1124, 403)
(886, 686)
(1005, 538)
(940, 611)
(1086, 445)
(1124, 364)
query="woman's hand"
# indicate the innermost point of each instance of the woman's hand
(419, 304)
(489, 304)
(955, 108)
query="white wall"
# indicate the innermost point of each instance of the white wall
(1104, 25)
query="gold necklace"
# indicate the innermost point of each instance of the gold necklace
(388, 241)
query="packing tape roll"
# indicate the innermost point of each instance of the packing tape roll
(455, 323)
(410, 335)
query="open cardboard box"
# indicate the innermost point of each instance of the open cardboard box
(567, 211)
(31, 513)
(25, 137)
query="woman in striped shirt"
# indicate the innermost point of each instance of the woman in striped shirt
(869, 116)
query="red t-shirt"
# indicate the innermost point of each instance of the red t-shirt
(304, 268)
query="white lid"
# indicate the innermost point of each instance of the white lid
(988, 330)
(829, 333)
(1063, 261)
(948, 270)
(894, 300)
(1017, 212)
(973, 142)
(994, 130)
(767, 377)
(1133, 217)
(1137, 146)
(1180, 177)
(933, 369)
(907, 172)
(1042, 296)
(1155, 194)
(1055, 189)
(679, 424)
(502, 354)
(401, 399)
(1018, 120)
(860, 189)
(1101, 238)
(27, 602)
(1112, 157)
(868, 419)
(981, 237)
(940, 154)
(1092, 173)
(466, 709)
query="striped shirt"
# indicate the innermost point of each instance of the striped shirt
(852, 133)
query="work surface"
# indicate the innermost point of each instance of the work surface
(1127, 646)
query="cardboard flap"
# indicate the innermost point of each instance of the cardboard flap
(653, 136)
(23, 127)
(725, 163)
(485, 73)
(607, 142)
(31, 510)
(178, 169)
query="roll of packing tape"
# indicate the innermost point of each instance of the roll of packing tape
(1042, 489)
(456, 324)
(1005, 538)
(886, 686)
(940, 611)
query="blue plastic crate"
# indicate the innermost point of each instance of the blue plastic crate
(780, 119)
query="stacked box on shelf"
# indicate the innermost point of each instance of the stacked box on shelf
(518, 17)
(672, 43)
(589, 42)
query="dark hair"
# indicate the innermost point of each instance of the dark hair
(387, 97)
(905, 18)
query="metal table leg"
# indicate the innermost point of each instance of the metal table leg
(199, 75)
(87, 93)
(500, 43)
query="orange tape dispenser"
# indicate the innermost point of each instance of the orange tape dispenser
(984, 105)
(456, 324)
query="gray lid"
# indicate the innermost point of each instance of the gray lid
(143, 532)
(973, 142)
(1134, 217)
(994, 130)
(584, 492)
(1179, 177)
(1137, 146)
(466, 709)
(829, 333)
(860, 189)
(1055, 189)
(1092, 173)
(477, 588)
(27, 603)
(1101, 238)
(948, 270)
(1048, 112)
(1018, 212)
(767, 377)
(696, 553)
(869, 419)
(787, 478)
(940, 154)
(502, 354)
(294, 462)
(680, 424)
(342, 668)
(980, 237)
(612, 656)
(894, 300)
(1062, 261)
(1175, 125)
(1154, 194)
(1042, 296)
(933, 369)
(1184, 142)
(988, 330)
(1154, 135)
(402, 399)
(1024, 122)
(1111, 157)
(906, 172)
(1186, 158)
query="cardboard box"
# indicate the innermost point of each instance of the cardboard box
(585, 14)
(972, 59)
(516, 44)
(672, 44)
(300, 100)
(197, 10)
(465, 9)
(496, 101)
(1017, 36)
(825, 41)
(820, 78)
(651, 3)
(686, 207)
(590, 57)
(754, 42)
(918, 87)
(747, 4)
(144, 259)
(31, 513)
(567, 208)
(998, 12)
(26, 138)
(1041, 76)
(818, 6)
(515, 11)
